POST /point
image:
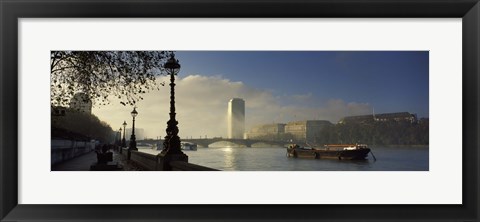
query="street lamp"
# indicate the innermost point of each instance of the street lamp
(119, 142)
(171, 145)
(133, 143)
(123, 140)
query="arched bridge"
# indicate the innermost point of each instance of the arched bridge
(242, 142)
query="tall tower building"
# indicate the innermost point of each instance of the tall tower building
(236, 118)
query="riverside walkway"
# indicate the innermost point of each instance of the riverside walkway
(83, 163)
(139, 161)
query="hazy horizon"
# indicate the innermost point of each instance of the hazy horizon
(279, 87)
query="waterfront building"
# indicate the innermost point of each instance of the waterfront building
(81, 102)
(383, 117)
(266, 131)
(308, 130)
(236, 118)
(58, 110)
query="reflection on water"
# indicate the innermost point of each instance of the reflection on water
(229, 158)
(274, 159)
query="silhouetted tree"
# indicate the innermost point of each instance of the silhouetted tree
(125, 75)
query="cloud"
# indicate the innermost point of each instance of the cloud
(201, 107)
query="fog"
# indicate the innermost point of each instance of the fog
(202, 103)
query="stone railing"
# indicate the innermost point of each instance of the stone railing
(152, 162)
(184, 166)
(144, 160)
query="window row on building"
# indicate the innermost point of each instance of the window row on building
(310, 129)
(299, 130)
(401, 116)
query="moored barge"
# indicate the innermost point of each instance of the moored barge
(335, 151)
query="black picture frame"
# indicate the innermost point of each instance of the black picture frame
(11, 11)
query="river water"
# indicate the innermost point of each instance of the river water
(274, 159)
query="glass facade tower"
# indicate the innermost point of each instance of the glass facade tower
(236, 118)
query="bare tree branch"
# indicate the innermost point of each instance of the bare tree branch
(101, 74)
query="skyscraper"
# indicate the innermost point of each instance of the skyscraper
(236, 118)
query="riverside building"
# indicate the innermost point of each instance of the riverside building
(306, 130)
(267, 131)
(383, 117)
(81, 102)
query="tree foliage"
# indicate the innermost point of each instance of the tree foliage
(125, 75)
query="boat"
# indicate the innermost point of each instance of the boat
(332, 151)
(188, 146)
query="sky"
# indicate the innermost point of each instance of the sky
(279, 87)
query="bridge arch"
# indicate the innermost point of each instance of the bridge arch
(241, 142)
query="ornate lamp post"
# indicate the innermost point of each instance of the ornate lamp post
(119, 141)
(133, 143)
(171, 145)
(124, 144)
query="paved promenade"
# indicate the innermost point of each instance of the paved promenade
(83, 163)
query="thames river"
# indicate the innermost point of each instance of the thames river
(274, 159)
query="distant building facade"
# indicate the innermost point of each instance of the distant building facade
(236, 118)
(266, 131)
(306, 130)
(400, 116)
(81, 102)
(58, 110)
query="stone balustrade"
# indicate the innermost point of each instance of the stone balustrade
(144, 160)
(152, 162)
(184, 166)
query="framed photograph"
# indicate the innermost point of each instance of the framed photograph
(292, 111)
